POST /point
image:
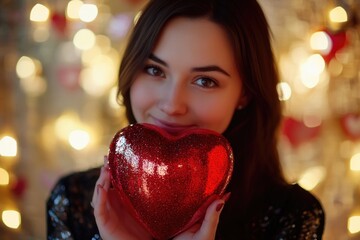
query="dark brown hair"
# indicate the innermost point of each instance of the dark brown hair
(253, 130)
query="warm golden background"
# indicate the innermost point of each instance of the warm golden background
(58, 67)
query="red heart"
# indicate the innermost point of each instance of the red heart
(167, 181)
(297, 132)
(338, 41)
(350, 123)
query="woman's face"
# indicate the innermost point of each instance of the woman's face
(190, 80)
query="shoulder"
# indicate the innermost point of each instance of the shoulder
(90, 175)
(75, 183)
(69, 212)
(301, 199)
(301, 212)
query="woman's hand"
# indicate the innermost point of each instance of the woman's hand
(107, 211)
(207, 229)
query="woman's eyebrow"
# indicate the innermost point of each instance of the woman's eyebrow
(158, 60)
(210, 68)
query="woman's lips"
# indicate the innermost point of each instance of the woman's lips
(172, 128)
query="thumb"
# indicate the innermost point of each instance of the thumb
(211, 220)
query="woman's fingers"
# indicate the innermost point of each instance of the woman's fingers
(206, 230)
(211, 220)
(102, 182)
(100, 209)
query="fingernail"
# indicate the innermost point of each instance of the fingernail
(97, 188)
(106, 163)
(227, 196)
(219, 207)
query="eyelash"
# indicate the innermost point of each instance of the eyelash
(162, 74)
(154, 67)
(213, 81)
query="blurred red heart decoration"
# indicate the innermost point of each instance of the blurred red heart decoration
(350, 124)
(168, 181)
(297, 132)
(338, 42)
(19, 186)
(59, 23)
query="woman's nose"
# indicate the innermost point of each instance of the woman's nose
(173, 101)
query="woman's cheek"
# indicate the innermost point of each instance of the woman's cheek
(139, 97)
(214, 117)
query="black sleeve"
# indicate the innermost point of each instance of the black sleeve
(304, 218)
(68, 209)
(57, 211)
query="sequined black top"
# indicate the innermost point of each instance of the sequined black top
(289, 213)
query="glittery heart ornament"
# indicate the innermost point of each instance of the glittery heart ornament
(168, 181)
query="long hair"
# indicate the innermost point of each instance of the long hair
(253, 130)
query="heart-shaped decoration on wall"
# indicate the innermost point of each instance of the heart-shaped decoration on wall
(350, 124)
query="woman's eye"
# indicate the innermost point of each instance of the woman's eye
(154, 71)
(206, 82)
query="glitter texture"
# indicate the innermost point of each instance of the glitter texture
(155, 173)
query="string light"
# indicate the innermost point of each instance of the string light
(355, 162)
(79, 139)
(310, 70)
(284, 91)
(84, 39)
(34, 86)
(25, 67)
(41, 33)
(39, 13)
(311, 120)
(338, 15)
(320, 41)
(88, 12)
(8, 147)
(4, 177)
(11, 218)
(73, 9)
(99, 77)
(312, 177)
(353, 224)
(65, 124)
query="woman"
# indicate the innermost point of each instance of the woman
(208, 64)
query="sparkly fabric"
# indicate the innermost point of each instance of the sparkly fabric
(69, 214)
(285, 213)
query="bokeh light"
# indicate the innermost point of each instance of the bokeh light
(312, 177)
(353, 224)
(41, 33)
(88, 12)
(73, 9)
(8, 147)
(321, 42)
(39, 13)
(355, 162)
(338, 15)
(312, 120)
(11, 218)
(25, 67)
(99, 77)
(65, 124)
(33, 86)
(4, 177)
(310, 70)
(84, 39)
(284, 91)
(79, 139)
